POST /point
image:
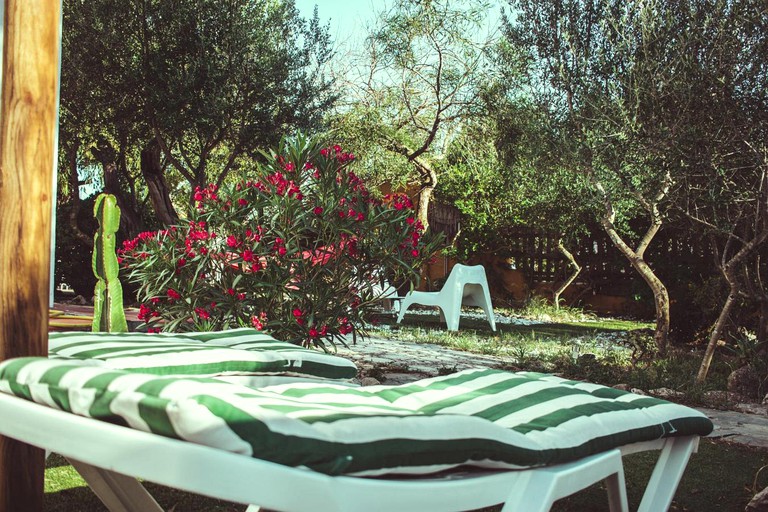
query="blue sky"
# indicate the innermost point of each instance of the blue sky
(347, 18)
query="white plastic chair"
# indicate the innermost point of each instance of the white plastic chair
(387, 292)
(466, 285)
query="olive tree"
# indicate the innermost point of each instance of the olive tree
(417, 82)
(609, 74)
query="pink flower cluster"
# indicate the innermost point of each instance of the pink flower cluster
(209, 193)
(283, 186)
(336, 152)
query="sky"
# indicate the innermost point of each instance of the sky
(347, 18)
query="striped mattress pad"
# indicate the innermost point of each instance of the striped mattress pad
(236, 352)
(479, 417)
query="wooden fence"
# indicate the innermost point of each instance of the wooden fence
(536, 255)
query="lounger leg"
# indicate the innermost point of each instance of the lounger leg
(667, 473)
(119, 493)
(617, 492)
(537, 490)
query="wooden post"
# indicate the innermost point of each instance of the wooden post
(31, 46)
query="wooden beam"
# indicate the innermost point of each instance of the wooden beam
(30, 60)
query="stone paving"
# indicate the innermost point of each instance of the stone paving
(401, 362)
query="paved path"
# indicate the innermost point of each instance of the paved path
(402, 362)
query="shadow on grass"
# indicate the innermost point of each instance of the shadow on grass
(717, 479)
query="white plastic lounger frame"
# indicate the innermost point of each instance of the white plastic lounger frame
(465, 285)
(105, 453)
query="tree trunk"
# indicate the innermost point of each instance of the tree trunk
(575, 270)
(152, 170)
(130, 220)
(428, 184)
(31, 42)
(730, 273)
(709, 353)
(660, 294)
(74, 198)
(762, 326)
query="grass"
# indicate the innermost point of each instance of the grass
(66, 491)
(572, 344)
(719, 478)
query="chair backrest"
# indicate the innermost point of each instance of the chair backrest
(463, 274)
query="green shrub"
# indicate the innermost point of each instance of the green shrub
(296, 250)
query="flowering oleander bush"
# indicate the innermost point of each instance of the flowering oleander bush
(297, 250)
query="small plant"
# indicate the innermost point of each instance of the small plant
(752, 354)
(296, 250)
(108, 313)
(538, 308)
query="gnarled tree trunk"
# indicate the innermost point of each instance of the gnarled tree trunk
(660, 294)
(74, 198)
(425, 196)
(152, 170)
(575, 270)
(636, 256)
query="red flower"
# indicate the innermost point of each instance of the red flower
(231, 291)
(318, 210)
(247, 255)
(173, 294)
(344, 326)
(202, 313)
(281, 251)
(232, 241)
(415, 253)
(145, 312)
(241, 296)
(242, 202)
(181, 262)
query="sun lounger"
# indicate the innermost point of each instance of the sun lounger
(455, 442)
(245, 356)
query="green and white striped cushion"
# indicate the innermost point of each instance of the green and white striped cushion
(236, 352)
(484, 418)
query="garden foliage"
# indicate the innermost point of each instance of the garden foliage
(297, 250)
